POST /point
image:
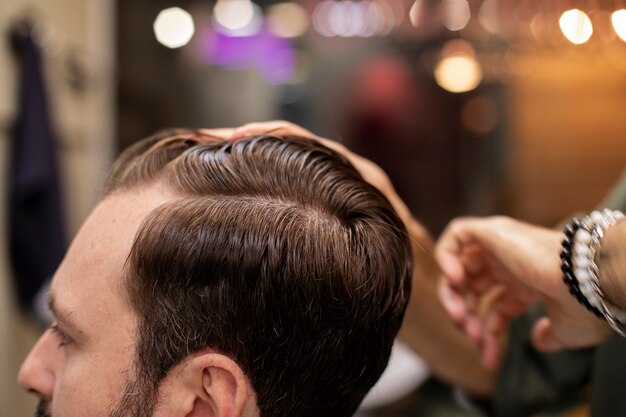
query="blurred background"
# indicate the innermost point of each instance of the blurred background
(472, 107)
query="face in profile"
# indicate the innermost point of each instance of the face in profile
(226, 280)
(84, 364)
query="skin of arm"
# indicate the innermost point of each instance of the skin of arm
(612, 265)
(429, 331)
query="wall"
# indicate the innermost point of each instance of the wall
(83, 121)
(568, 131)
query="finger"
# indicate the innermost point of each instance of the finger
(222, 133)
(543, 336)
(471, 301)
(509, 305)
(491, 351)
(453, 303)
(450, 246)
(278, 127)
(451, 266)
(472, 258)
(497, 297)
(371, 172)
(496, 323)
(487, 301)
(281, 127)
(474, 328)
(482, 283)
(354, 159)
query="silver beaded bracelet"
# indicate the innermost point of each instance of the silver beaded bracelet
(580, 269)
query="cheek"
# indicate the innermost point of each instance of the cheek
(90, 384)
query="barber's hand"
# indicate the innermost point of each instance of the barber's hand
(370, 172)
(221, 133)
(426, 328)
(493, 269)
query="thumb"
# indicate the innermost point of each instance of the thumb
(544, 338)
(451, 266)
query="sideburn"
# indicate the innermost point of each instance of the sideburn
(140, 397)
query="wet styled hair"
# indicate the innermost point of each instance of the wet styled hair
(276, 253)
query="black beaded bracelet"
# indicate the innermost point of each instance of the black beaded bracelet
(566, 267)
(580, 271)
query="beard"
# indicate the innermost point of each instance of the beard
(139, 400)
(43, 409)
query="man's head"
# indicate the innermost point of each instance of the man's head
(263, 277)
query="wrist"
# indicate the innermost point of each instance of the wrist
(611, 260)
(580, 257)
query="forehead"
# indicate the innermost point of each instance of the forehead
(89, 281)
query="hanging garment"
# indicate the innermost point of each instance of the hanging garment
(36, 223)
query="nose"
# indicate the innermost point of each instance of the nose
(37, 373)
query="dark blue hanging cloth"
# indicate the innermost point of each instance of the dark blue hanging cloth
(36, 222)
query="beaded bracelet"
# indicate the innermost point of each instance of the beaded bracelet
(580, 270)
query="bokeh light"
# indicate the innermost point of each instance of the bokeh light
(488, 16)
(416, 12)
(174, 27)
(456, 14)
(233, 14)
(458, 70)
(321, 17)
(388, 17)
(349, 18)
(576, 26)
(618, 18)
(346, 18)
(287, 20)
(373, 19)
(228, 23)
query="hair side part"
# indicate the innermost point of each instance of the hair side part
(277, 254)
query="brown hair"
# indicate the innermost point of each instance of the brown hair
(277, 254)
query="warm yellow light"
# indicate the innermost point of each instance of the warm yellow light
(458, 73)
(618, 18)
(576, 26)
(233, 14)
(538, 26)
(287, 20)
(173, 27)
(456, 14)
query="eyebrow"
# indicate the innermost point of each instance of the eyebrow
(62, 316)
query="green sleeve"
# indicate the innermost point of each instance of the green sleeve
(616, 199)
(531, 381)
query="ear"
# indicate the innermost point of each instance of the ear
(212, 385)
